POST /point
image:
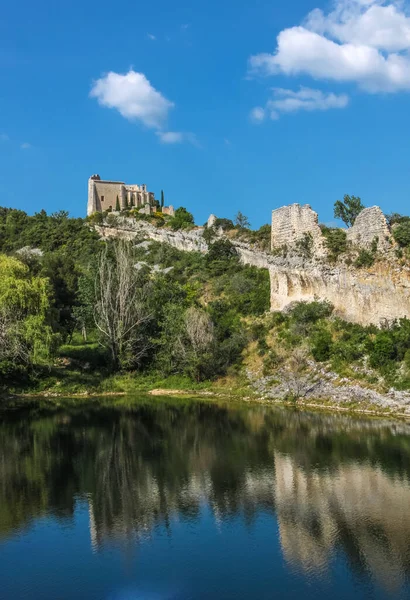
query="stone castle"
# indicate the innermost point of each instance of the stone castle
(105, 195)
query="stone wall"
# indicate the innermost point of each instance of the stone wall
(369, 225)
(291, 223)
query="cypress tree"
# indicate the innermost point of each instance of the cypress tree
(126, 203)
(117, 205)
(162, 199)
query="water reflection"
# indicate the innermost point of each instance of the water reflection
(335, 485)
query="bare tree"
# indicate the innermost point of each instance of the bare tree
(297, 375)
(200, 329)
(12, 345)
(121, 312)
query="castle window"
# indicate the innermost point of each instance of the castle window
(102, 198)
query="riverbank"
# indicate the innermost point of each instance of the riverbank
(346, 399)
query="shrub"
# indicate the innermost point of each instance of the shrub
(182, 219)
(226, 224)
(304, 245)
(401, 234)
(310, 312)
(364, 259)
(336, 242)
(383, 350)
(322, 345)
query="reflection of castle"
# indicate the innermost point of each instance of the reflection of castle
(356, 506)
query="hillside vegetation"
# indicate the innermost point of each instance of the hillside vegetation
(79, 314)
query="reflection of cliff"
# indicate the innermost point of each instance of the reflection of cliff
(356, 508)
(336, 484)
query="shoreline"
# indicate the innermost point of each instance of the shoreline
(301, 404)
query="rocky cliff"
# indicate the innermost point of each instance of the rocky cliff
(371, 295)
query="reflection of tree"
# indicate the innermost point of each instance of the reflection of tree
(335, 483)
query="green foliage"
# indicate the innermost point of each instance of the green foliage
(221, 255)
(225, 224)
(117, 205)
(261, 238)
(383, 350)
(26, 337)
(336, 242)
(401, 233)
(304, 313)
(209, 234)
(162, 199)
(348, 209)
(364, 259)
(182, 219)
(394, 218)
(242, 221)
(322, 344)
(304, 245)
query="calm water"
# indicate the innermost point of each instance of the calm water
(179, 500)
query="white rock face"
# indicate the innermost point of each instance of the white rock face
(211, 221)
(360, 295)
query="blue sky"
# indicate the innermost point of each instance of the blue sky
(225, 105)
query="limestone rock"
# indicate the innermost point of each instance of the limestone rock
(211, 221)
(370, 224)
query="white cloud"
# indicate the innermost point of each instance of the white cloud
(257, 114)
(306, 99)
(361, 41)
(4, 137)
(25, 146)
(170, 137)
(151, 36)
(134, 97)
(176, 137)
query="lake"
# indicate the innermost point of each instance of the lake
(167, 499)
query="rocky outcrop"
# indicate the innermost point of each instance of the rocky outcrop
(366, 296)
(362, 296)
(370, 226)
(291, 223)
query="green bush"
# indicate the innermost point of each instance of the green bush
(304, 245)
(401, 234)
(322, 345)
(182, 219)
(310, 312)
(364, 259)
(336, 242)
(383, 350)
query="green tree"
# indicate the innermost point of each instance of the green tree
(117, 205)
(162, 199)
(401, 234)
(242, 221)
(25, 336)
(182, 219)
(348, 209)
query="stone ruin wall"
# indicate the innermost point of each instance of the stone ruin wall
(291, 223)
(360, 295)
(370, 224)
